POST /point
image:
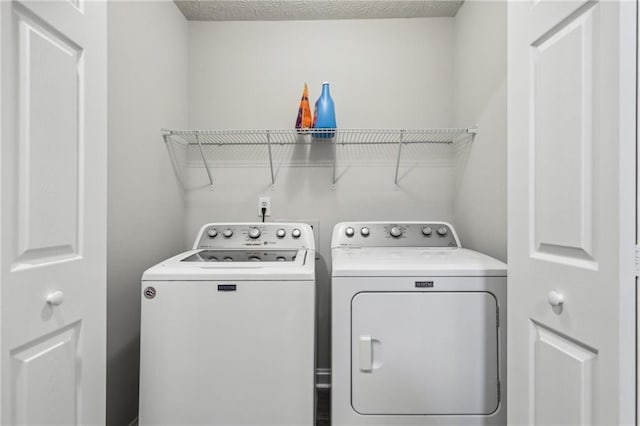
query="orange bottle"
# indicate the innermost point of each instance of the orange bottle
(304, 111)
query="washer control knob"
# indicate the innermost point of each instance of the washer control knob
(281, 233)
(426, 231)
(227, 233)
(212, 233)
(295, 233)
(364, 232)
(396, 231)
(254, 233)
(442, 231)
(349, 232)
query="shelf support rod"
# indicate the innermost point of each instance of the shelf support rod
(395, 180)
(273, 179)
(335, 155)
(204, 160)
(174, 162)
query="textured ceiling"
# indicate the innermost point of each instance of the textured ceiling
(278, 10)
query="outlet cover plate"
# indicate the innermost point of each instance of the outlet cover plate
(264, 202)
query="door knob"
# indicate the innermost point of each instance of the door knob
(56, 298)
(556, 299)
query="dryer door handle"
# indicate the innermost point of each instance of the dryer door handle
(365, 351)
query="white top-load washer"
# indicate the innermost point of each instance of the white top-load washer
(418, 327)
(228, 329)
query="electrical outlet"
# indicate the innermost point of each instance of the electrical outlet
(264, 202)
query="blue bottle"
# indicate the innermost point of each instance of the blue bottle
(324, 116)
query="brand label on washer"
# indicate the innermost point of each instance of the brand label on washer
(226, 287)
(424, 284)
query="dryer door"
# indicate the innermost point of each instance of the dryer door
(424, 353)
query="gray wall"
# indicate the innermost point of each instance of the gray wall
(383, 73)
(480, 97)
(147, 91)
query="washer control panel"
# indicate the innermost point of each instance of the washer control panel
(394, 234)
(252, 235)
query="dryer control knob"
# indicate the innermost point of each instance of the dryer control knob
(364, 231)
(281, 233)
(396, 231)
(426, 231)
(227, 233)
(212, 233)
(442, 231)
(254, 233)
(296, 233)
(349, 232)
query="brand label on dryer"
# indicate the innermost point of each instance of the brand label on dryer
(424, 284)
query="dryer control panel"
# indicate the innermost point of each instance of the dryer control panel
(394, 234)
(292, 236)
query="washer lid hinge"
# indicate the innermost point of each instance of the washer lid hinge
(637, 260)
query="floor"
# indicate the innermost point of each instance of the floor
(323, 417)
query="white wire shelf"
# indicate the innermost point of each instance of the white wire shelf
(337, 136)
(202, 140)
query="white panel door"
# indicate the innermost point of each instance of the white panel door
(427, 353)
(53, 197)
(571, 337)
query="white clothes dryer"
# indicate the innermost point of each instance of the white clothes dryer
(418, 327)
(228, 329)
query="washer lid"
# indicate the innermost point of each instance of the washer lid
(242, 256)
(199, 265)
(413, 261)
